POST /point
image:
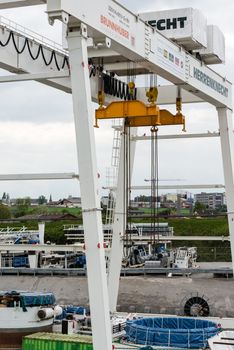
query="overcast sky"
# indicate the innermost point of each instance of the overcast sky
(37, 130)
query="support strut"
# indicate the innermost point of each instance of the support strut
(96, 269)
(227, 147)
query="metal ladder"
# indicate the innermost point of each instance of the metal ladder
(116, 146)
(112, 173)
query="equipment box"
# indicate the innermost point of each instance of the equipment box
(187, 27)
(215, 51)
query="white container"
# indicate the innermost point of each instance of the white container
(215, 51)
(187, 27)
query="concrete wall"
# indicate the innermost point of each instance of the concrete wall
(140, 294)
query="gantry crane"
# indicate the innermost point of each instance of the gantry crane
(119, 37)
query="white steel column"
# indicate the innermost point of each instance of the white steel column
(41, 230)
(97, 280)
(119, 225)
(227, 146)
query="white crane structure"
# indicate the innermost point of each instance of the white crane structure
(118, 37)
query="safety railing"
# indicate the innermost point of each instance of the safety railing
(15, 27)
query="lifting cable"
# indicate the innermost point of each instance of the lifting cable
(27, 43)
(152, 93)
(154, 185)
(152, 97)
(131, 95)
(125, 191)
(129, 175)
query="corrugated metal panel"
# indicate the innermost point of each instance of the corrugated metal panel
(56, 341)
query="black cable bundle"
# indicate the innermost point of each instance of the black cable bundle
(40, 51)
(117, 88)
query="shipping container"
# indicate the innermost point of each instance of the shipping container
(57, 341)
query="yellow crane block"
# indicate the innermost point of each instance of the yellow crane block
(137, 114)
(129, 109)
(167, 118)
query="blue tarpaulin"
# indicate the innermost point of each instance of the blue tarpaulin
(32, 299)
(38, 299)
(188, 333)
(76, 310)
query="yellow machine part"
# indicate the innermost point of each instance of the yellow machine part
(138, 114)
(167, 118)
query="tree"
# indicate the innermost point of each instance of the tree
(40, 209)
(222, 208)
(22, 206)
(22, 202)
(199, 208)
(42, 200)
(4, 212)
(7, 198)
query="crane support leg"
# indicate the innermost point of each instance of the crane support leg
(119, 224)
(96, 269)
(227, 147)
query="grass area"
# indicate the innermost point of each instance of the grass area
(48, 210)
(199, 226)
(207, 250)
(183, 211)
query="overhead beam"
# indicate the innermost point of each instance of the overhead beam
(172, 187)
(179, 136)
(139, 42)
(37, 71)
(19, 3)
(182, 238)
(42, 248)
(167, 95)
(37, 77)
(47, 176)
(179, 187)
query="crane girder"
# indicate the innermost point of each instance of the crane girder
(19, 3)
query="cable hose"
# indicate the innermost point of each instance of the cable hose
(40, 50)
(7, 42)
(117, 88)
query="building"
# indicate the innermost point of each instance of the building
(70, 202)
(31, 201)
(211, 200)
(171, 197)
(47, 217)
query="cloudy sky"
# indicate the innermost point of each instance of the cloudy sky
(37, 130)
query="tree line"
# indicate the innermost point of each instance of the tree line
(21, 206)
